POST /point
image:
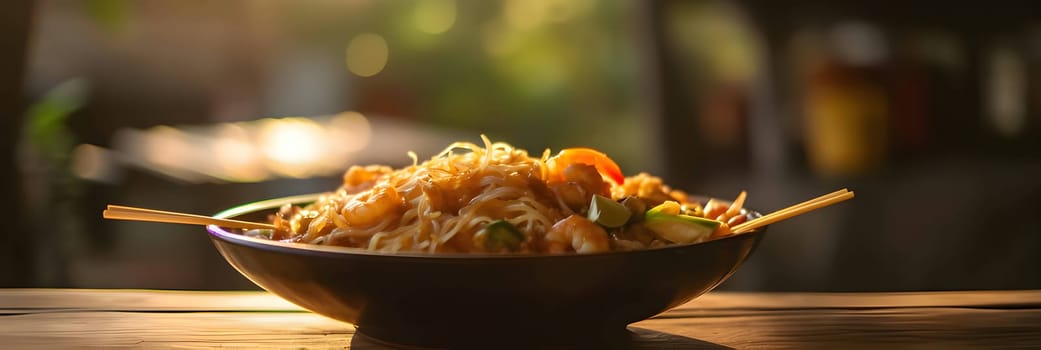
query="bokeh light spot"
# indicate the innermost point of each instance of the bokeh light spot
(435, 16)
(367, 54)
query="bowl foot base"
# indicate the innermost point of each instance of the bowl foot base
(610, 338)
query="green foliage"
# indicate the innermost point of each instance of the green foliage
(46, 122)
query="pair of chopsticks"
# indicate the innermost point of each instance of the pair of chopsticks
(119, 212)
(794, 210)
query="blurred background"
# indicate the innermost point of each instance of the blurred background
(929, 110)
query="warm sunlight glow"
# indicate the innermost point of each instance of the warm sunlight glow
(167, 147)
(293, 146)
(235, 157)
(349, 132)
(249, 151)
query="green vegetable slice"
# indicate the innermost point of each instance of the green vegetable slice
(607, 213)
(678, 228)
(502, 234)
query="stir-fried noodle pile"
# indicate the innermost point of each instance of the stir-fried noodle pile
(495, 199)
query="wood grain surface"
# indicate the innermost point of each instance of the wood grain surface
(57, 318)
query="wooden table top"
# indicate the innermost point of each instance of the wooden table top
(64, 318)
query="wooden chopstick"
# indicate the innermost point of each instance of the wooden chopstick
(119, 212)
(795, 210)
(803, 204)
(745, 227)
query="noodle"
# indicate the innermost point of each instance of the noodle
(456, 201)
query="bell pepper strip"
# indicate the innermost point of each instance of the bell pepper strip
(604, 165)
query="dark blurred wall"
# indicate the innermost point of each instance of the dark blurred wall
(15, 255)
(927, 109)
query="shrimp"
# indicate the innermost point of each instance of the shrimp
(569, 156)
(367, 208)
(581, 182)
(576, 233)
(359, 178)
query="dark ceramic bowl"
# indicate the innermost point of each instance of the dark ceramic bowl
(459, 300)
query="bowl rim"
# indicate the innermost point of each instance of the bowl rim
(223, 234)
